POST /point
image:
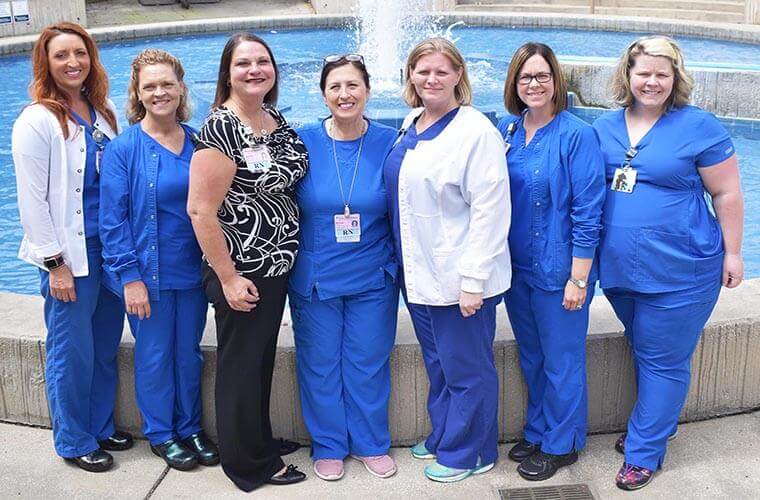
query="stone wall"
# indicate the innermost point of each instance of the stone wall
(726, 371)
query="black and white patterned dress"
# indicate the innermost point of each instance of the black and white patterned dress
(259, 215)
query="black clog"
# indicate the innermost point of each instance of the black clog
(176, 455)
(119, 441)
(95, 461)
(205, 450)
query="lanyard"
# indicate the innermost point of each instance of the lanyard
(629, 156)
(511, 129)
(346, 202)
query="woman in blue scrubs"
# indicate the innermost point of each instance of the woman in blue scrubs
(343, 296)
(448, 194)
(556, 179)
(153, 260)
(663, 254)
(57, 143)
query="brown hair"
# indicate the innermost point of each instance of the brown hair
(656, 46)
(462, 91)
(135, 109)
(328, 67)
(222, 82)
(512, 101)
(43, 89)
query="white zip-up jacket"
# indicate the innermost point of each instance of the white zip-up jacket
(454, 212)
(50, 184)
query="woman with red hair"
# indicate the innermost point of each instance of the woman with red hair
(57, 143)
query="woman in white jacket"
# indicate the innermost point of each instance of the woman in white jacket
(57, 145)
(448, 196)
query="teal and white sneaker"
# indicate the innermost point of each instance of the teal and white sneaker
(443, 474)
(421, 452)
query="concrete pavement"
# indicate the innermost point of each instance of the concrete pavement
(713, 459)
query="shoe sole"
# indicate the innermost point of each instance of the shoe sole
(429, 456)
(545, 476)
(483, 469)
(325, 477)
(376, 474)
(450, 479)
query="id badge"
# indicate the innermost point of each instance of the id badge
(624, 180)
(347, 229)
(98, 158)
(257, 159)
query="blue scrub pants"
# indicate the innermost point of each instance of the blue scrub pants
(169, 364)
(663, 330)
(343, 349)
(80, 366)
(551, 344)
(464, 388)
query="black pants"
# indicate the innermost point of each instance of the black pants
(246, 347)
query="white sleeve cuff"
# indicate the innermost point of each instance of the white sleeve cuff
(472, 285)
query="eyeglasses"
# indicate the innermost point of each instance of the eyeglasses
(343, 57)
(539, 77)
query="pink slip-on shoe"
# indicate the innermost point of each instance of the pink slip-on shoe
(381, 466)
(329, 469)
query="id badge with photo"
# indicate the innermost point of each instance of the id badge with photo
(348, 229)
(257, 159)
(624, 180)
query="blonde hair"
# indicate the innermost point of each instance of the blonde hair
(656, 46)
(135, 108)
(512, 100)
(462, 91)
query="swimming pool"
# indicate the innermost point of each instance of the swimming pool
(299, 54)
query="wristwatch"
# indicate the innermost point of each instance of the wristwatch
(579, 283)
(51, 263)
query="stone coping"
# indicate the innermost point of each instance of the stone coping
(717, 31)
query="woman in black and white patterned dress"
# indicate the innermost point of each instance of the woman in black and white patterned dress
(243, 209)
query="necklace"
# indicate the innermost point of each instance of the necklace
(346, 203)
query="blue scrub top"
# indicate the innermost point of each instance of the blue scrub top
(557, 191)
(663, 236)
(392, 168)
(331, 268)
(146, 232)
(91, 198)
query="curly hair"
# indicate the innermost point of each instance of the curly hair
(43, 89)
(135, 108)
(656, 46)
(463, 89)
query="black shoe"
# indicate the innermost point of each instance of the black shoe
(175, 454)
(205, 450)
(523, 450)
(540, 465)
(119, 441)
(95, 461)
(291, 476)
(288, 447)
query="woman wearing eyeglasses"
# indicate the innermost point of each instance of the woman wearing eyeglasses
(57, 144)
(448, 194)
(343, 296)
(665, 248)
(243, 209)
(556, 178)
(152, 258)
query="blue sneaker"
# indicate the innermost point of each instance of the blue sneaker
(443, 474)
(420, 451)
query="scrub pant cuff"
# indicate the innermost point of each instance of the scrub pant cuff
(76, 453)
(371, 452)
(532, 437)
(459, 463)
(194, 430)
(156, 439)
(650, 464)
(327, 455)
(107, 434)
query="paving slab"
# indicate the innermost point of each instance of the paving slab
(29, 468)
(712, 459)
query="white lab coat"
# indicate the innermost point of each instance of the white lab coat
(50, 184)
(454, 212)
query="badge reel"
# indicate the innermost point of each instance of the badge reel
(257, 158)
(99, 138)
(624, 179)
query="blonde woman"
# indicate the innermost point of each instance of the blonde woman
(663, 254)
(446, 179)
(153, 260)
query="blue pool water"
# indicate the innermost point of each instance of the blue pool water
(299, 54)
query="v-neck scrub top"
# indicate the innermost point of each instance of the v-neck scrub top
(663, 236)
(331, 268)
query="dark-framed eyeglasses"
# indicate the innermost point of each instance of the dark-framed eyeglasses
(343, 57)
(526, 79)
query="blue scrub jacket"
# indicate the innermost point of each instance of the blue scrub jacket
(129, 174)
(568, 223)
